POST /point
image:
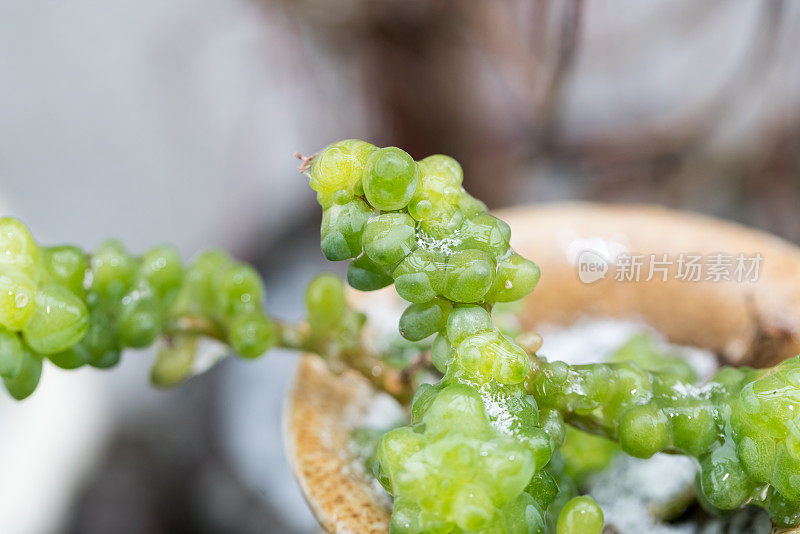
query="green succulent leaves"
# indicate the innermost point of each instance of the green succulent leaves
(60, 305)
(477, 439)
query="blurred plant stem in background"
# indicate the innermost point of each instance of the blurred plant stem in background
(689, 104)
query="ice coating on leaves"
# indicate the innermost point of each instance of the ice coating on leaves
(452, 468)
(414, 205)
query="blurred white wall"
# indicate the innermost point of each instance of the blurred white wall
(149, 121)
(48, 444)
(154, 120)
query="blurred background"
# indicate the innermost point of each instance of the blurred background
(176, 121)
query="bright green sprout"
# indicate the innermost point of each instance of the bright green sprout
(581, 515)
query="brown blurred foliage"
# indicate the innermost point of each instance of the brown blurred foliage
(503, 85)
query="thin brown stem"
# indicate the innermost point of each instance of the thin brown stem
(395, 381)
(306, 161)
(392, 380)
(195, 324)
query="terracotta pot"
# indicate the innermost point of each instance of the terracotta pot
(748, 322)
